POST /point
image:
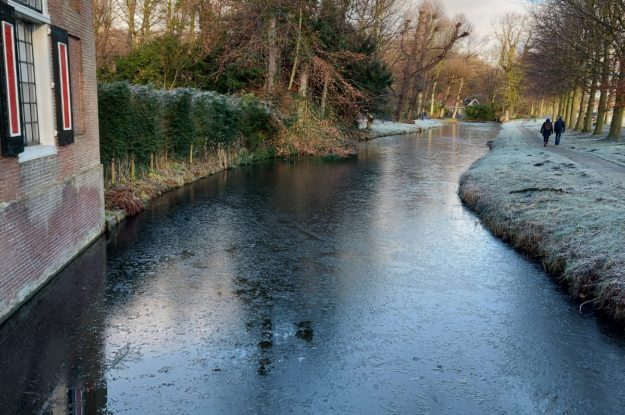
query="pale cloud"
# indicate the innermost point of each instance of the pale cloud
(482, 14)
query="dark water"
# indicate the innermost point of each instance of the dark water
(359, 287)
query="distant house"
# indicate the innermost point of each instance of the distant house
(471, 102)
(468, 102)
(51, 192)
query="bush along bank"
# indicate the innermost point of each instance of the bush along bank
(152, 140)
(569, 217)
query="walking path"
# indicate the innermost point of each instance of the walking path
(567, 148)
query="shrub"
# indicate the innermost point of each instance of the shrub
(480, 112)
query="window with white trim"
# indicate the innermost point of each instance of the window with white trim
(33, 4)
(36, 118)
(27, 82)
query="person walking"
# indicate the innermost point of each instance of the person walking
(559, 128)
(546, 130)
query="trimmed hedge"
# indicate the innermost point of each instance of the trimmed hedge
(139, 121)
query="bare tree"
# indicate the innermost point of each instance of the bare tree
(513, 37)
(423, 46)
(102, 25)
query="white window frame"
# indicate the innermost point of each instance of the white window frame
(43, 78)
(33, 15)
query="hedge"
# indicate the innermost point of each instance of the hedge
(139, 121)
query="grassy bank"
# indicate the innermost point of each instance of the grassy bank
(569, 217)
(129, 195)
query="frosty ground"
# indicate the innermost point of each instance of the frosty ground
(388, 128)
(564, 205)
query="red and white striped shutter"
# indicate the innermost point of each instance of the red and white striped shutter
(11, 132)
(62, 86)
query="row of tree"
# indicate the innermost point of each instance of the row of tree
(575, 66)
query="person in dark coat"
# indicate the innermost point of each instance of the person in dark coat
(546, 130)
(559, 128)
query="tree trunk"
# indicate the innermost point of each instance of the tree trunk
(619, 103)
(571, 111)
(542, 107)
(617, 123)
(446, 97)
(604, 87)
(590, 107)
(412, 105)
(131, 9)
(169, 16)
(272, 56)
(458, 99)
(401, 98)
(601, 112)
(608, 106)
(324, 94)
(297, 47)
(405, 84)
(303, 82)
(556, 109)
(148, 10)
(302, 105)
(433, 98)
(570, 121)
(561, 105)
(580, 113)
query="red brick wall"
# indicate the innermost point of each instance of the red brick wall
(85, 151)
(52, 207)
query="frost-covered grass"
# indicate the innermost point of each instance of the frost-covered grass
(570, 217)
(387, 128)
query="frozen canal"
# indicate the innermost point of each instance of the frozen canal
(358, 287)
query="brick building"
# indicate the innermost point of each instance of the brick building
(51, 192)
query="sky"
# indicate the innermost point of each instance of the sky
(482, 13)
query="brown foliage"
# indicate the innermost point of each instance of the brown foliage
(124, 198)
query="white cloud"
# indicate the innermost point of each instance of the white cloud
(482, 14)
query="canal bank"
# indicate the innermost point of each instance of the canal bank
(131, 197)
(388, 128)
(561, 205)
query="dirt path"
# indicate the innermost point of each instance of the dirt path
(532, 136)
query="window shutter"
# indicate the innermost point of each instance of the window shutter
(10, 106)
(62, 86)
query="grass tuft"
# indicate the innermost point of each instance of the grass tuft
(124, 198)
